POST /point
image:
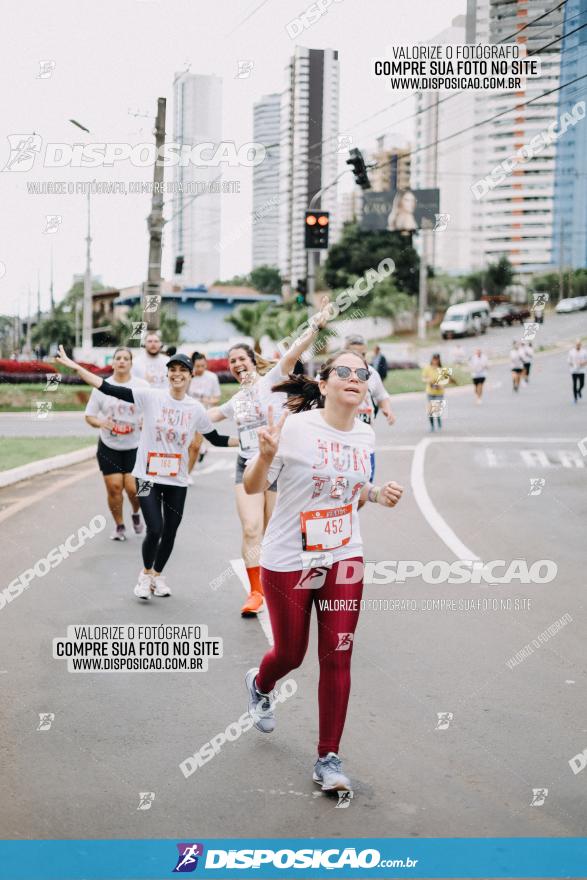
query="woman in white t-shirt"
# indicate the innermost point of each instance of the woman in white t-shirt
(478, 364)
(312, 550)
(119, 427)
(249, 407)
(170, 421)
(517, 365)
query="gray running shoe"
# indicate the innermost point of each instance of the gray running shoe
(260, 705)
(328, 773)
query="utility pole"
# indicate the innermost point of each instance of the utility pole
(27, 345)
(561, 277)
(152, 289)
(87, 311)
(423, 285)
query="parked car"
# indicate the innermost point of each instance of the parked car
(572, 304)
(506, 314)
(465, 319)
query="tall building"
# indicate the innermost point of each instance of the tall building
(515, 219)
(393, 167)
(441, 161)
(308, 151)
(569, 246)
(197, 119)
(266, 130)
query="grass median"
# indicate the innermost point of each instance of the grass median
(17, 451)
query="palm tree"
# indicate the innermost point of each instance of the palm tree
(124, 331)
(248, 320)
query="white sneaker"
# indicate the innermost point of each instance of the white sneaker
(143, 587)
(190, 480)
(159, 586)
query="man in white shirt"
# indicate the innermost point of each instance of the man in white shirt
(478, 365)
(151, 365)
(577, 360)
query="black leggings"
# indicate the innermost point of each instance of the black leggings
(578, 383)
(162, 509)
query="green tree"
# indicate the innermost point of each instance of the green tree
(266, 279)
(546, 283)
(124, 331)
(248, 320)
(236, 281)
(359, 250)
(386, 301)
(6, 335)
(474, 282)
(58, 328)
(498, 276)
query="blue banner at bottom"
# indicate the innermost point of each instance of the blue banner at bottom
(276, 858)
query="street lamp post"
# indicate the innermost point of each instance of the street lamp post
(87, 310)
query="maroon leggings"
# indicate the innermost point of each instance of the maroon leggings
(290, 611)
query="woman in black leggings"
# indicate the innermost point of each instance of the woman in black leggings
(171, 420)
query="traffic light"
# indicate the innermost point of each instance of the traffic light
(301, 289)
(359, 169)
(316, 237)
(178, 265)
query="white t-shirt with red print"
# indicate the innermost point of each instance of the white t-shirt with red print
(152, 368)
(321, 473)
(126, 432)
(169, 426)
(248, 407)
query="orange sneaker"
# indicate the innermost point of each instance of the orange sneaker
(252, 605)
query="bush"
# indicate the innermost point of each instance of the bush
(30, 367)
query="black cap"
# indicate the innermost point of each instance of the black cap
(182, 359)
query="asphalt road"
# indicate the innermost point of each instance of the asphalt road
(468, 773)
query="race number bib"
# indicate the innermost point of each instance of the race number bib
(248, 437)
(326, 529)
(122, 428)
(163, 464)
(365, 414)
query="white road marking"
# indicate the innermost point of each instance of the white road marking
(429, 512)
(394, 448)
(424, 502)
(240, 570)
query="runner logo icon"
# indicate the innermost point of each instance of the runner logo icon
(188, 857)
(345, 641)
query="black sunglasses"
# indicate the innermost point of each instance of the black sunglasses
(362, 373)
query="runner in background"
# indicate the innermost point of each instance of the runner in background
(249, 408)
(320, 457)
(478, 364)
(119, 428)
(379, 362)
(577, 361)
(527, 358)
(517, 365)
(170, 421)
(204, 387)
(432, 376)
(151, 364)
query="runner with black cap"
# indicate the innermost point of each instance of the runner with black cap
(171, 420)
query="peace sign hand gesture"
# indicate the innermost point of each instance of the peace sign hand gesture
(269, 435)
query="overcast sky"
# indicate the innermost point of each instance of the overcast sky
(118, 55)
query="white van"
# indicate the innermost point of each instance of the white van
(465, 319)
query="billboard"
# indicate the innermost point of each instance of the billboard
(403, 210)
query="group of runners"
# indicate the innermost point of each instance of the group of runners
(305, 465)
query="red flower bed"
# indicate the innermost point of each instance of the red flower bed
(10, 366)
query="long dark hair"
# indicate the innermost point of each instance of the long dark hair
(262, 365)
(303, 392)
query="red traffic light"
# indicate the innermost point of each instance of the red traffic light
(323, 220)
(311, 220)
(316, 230)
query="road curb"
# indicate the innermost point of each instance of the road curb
(44, 465)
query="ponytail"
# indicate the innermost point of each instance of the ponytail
(302, 392)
